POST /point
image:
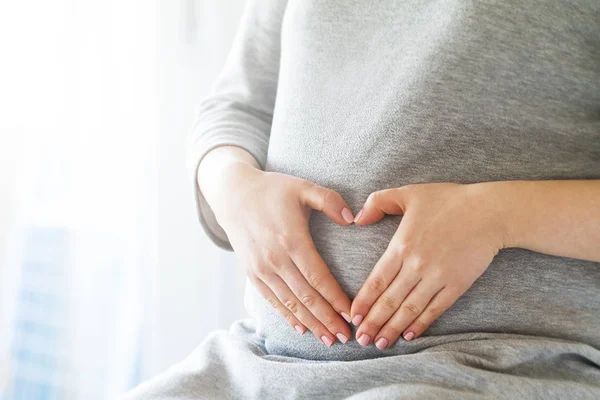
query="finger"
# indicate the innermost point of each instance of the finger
(383, 274)
(438, 305)
(409, 310)
(386, 305)
(268, 294)
(380, 203)
(318, 275)
(315, 303)
(329, 202)
(292, 303)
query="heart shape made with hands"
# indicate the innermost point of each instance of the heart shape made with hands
(447, 238)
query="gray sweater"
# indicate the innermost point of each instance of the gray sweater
(364, 95)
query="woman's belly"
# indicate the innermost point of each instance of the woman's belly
(522, 292)
(386, 130)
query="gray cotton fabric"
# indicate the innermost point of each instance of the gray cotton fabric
(364, 95)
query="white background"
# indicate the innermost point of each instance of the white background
(109, 90)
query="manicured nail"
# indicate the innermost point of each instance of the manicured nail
(326, 340)
(364, 339)
(381, 343)
(342, 338)
(409, 335)
(347, 215)
(346, 317)
(357, 320)
(358, 216)
(299, 329)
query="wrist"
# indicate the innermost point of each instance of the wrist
(500, 202)
(218, 167)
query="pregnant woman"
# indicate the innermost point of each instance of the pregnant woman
(413, 190)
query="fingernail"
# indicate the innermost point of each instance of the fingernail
(358, 216)
(342, 338)
(364, 339)
(326, 340)
(299, 329)
(381, 343)
(409, 336)
(346, 317)
(357, 320)
(347, 215)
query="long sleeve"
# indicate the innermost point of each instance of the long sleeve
(239, 109)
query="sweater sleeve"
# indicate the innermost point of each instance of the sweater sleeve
(239, 109)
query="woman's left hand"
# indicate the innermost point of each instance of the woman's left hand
(448, 236)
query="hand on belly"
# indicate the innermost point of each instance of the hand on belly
(266, 222)
(447, 238)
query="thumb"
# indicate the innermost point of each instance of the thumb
(329, 202)
(387, 201)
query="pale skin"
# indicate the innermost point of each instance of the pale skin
(448, 236)
(265, 216)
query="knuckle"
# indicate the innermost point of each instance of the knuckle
(260, 269)
(281, 239)
(389, 303)
(304, 184)
(270, 260)
(316, 329)
(421, 325)
(327, 193)
(376, 284)
(329, 323)
(411, 308)
(288, 244)
(291, 305)
(437, 275)
(419, 263)
(435, 311)
(400, 250)
(289, 318)
(273, 302)
(316, 281)
(393, 330)
(308, 300)
(373, 197)
(370, 326)
(411, 189)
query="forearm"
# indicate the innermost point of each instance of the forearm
(556, 217)
(211, 170)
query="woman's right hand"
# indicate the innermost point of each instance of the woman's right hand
(265, 216)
